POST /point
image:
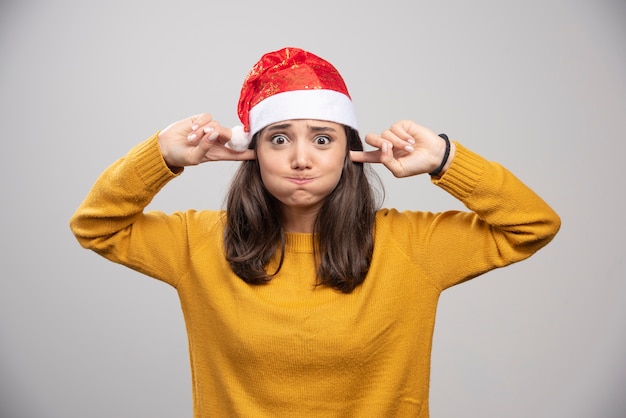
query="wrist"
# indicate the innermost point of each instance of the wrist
(444, 159)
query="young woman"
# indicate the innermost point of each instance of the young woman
(303, 298)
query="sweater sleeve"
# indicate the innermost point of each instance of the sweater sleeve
(507, 222)
(111, 220)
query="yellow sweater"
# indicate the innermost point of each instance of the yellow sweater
(289, 349)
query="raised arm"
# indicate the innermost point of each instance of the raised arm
(507, 221)
(111, 220)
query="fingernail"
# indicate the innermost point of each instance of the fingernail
(208, 129)
(409, 148)
(191, 137)
(194, 127)
(410, 141)
(213, 136)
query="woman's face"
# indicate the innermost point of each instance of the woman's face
(301, 160)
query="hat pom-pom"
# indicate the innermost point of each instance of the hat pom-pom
(239, 139)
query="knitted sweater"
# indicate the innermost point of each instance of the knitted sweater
(289, 349)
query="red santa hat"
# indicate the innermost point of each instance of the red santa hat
(290, 84)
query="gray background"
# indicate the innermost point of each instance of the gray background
(536, 85)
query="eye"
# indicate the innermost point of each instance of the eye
(278, 139)
(322, 140)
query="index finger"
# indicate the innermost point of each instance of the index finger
(200, 120)
(365, 156)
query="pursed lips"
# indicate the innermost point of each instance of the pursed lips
(301, 180)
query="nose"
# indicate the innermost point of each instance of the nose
(301, 156)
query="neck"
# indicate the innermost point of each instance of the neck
(299, 219)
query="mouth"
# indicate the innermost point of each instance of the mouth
(301, 180)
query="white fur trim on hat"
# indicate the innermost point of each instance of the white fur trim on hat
(317, 104)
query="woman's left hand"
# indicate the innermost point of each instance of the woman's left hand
(406, 149)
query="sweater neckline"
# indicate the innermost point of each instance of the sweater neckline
(299, 242)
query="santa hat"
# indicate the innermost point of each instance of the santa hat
(290, 84)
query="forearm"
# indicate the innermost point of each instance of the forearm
(120, 194)
(510, 222)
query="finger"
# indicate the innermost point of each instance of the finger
(199, 120)
(386, 154)
(248, 154)
(214, 132)
(374, 140)
(197, 154)
(388, 159)
(214, 144)
(379, 142)
(218, 152)
(399, 137)
(196, 126)
(365, 156)
(412, 129)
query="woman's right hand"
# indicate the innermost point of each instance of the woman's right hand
(196, 140)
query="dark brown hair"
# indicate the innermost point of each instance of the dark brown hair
(344, 226)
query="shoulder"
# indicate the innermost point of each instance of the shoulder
(208, 218)
(389, 216)
(397, 223)
(203, 221)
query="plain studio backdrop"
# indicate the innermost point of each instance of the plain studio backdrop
(539, 86)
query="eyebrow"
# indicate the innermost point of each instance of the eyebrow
(313, 128)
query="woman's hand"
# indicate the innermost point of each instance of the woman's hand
(196, 140)
(406, 149)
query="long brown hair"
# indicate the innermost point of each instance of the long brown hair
(344, 226)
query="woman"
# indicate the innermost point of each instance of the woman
(303, 298)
